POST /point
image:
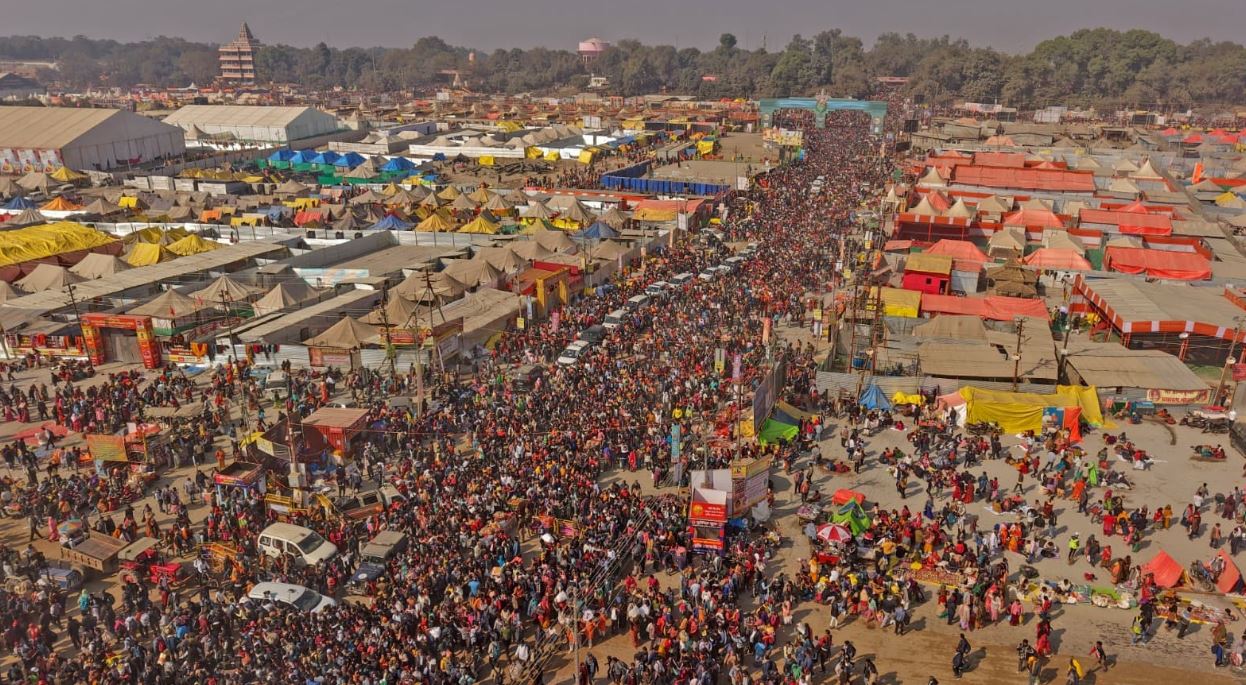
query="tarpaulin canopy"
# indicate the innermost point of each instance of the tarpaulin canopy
(47, 277)
(146, 254)
(1231, 576)
(992, 307)
(776, 431)
(897, 302)
(843, 496)
(852, 516)
(1180, 266)
(346, 334)
(169, 305)
(1166, 571)
(875, 398)
(193, 244)
(1057, 259)
(284, 295)
(391, 223)
(19, 203)
(1016, 412)
(47, 240)
(350, 160)
(480, 225)
(98, 265)
(398, 164)
(600, 230)
(958, 249)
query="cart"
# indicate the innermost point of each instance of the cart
(98, 553)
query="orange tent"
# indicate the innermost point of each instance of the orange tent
(1166, 571)
(844, 496)
(1057, 259)
(1230, 577)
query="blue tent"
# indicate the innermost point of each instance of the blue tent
(275, 213)
(303, 157)
(350, 160)
(398, 164)
(391, 223)
(281, 156)
(875, 398)
(598, 231)
(439, 157)
(20, 203)
(326, 157)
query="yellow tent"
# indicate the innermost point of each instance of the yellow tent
(437, 222)
(146, 254)
(532, 152)
(193, 244)
(66, 175)
(60, 204)
(551, 156)
(449, 194)
(706, 147)
(127, 201)
(480, 225)
(509, 126)
(486, 160)
(46, 240)
(1230, 200)
(1016, 412)
(897, 302)
(586, 157)
(390, 189)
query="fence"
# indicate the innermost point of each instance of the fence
(836, 382)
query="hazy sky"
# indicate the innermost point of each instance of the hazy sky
(1010, 25)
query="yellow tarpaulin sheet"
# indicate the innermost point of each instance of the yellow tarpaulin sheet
(127, 201)
(146, 254)
(302, 203)
(551, 156)
(655, 214)
(480, 225)
(586, 157)
(901, 398)
(1016, 412)
(192, 244)
(532, 152)
(46, 240)
(747, 430)
(706, 147)
(897, 302)
(486, 160)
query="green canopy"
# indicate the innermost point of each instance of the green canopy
(775, 431)
(853, 517)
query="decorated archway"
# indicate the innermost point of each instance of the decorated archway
(821, 105)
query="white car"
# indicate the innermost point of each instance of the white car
(707, 275)
(297, 596)
(572, 354)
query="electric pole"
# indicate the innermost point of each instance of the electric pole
(1016, 358)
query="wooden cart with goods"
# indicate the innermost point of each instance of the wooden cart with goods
(97, 552)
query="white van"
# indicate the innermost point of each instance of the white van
(304, 544)
(571, 354)
(657, 288)
(637, 301)
(682, 279)
(615, 319)
(295, 596)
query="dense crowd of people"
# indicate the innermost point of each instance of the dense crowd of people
(519, 551)
(463, 596)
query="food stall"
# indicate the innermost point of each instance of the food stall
(336, 427)
(240, 474)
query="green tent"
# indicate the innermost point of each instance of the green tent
(853, 517)
(776, 431)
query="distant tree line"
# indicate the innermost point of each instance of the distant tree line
(1089, 67)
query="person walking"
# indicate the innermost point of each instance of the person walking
(1101, 657)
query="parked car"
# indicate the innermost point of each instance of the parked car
(571, 355)
(297, 596)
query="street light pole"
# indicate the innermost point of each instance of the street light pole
(1230, 360)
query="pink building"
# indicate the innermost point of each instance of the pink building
(237, 57)
(592, 48)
